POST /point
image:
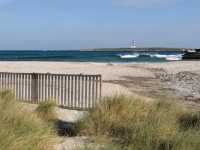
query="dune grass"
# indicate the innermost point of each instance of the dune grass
(117, 123)
(46, 111)
(22, 130)
(128, 123)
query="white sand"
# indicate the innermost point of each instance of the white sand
(109, 72)
(178, 66)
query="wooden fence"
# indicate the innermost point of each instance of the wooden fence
(68, 90)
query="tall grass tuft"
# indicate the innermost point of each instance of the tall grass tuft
(21, 130)
(128, 123)
(46, 110)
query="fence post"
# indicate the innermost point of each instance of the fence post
(100, 95)
(34, 87)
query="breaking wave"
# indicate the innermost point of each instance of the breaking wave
(128, 56)
(169, 57)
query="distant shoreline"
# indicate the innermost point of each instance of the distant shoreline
(135, 49)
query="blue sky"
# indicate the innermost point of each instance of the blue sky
(74, 24)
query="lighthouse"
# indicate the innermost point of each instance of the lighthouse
(133, 44)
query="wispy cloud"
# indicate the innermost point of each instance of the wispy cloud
(144, 3)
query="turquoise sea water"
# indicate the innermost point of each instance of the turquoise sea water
(88, 56)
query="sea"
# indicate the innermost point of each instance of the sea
(90, 56)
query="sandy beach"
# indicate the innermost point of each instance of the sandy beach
(109, 71)
(178, 80)
(148, 79)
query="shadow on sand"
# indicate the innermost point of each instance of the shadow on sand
(66, 128)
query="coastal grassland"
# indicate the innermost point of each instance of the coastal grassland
(22, 130)
(133, 124)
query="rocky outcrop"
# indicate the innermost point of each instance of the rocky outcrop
(186, 83)
(192, 55)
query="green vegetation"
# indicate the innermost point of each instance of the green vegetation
(117, 123)
(132, 124)
(46, 111)
(22, 130)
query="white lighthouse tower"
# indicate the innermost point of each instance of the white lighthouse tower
(133, 44)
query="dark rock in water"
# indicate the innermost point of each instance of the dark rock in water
(192, 55)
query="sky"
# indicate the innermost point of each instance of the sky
(80, 24)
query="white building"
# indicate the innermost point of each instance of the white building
(133, 44)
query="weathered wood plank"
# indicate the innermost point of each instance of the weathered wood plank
(86, 91)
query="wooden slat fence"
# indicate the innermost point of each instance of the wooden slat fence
(68, 90)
